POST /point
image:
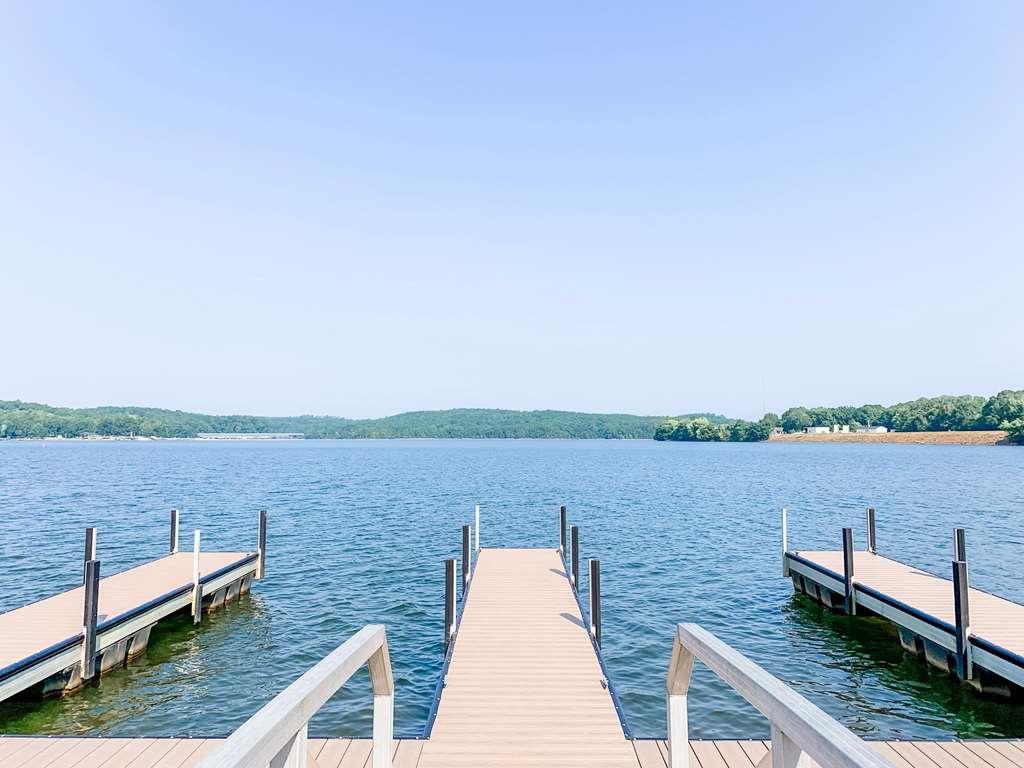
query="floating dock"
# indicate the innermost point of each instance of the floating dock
(967, 632)
(56, 644)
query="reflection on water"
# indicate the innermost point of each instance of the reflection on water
(359, 531)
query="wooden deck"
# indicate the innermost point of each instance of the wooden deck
(42, 638)
(922, 605)
(70, 752)
(524, 686)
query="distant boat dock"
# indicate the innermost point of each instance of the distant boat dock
(973, 634)
(58, 643)
(523, 685)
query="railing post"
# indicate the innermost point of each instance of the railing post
(677, 684)
(561, 529)
(90, 551)
(449, 601)
(465, 560)
(91, 606)
(960, 544)
(851, 598)
(786, 753)
(785, 543)
(595, 599)
(961, 608)
(197, 587)
(871, 531)
(576, 558)
(174, 531)
(476, 529)
(294, 754)
(261, 561)
(383, 685)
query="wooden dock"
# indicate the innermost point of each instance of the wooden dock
(524, 685)
(72, 752)
(47, 648)
(967, 632)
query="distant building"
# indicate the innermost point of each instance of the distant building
(777, 431)
(250, 436)
(817, 430)
(840, 428)
(873, 430)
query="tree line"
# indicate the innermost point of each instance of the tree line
(1004, 410)
(35, 420)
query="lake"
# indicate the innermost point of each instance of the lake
(359, 531)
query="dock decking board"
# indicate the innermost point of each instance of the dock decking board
(34, 628)
(74, 752)
(524, 686)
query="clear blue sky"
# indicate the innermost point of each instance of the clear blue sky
(653, 208)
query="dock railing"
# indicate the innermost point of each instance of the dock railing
(276, 736)
(800, 731)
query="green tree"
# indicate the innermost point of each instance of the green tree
(1007, 406)
(796, 419)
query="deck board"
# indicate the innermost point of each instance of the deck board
(524, 686)
(76, 752)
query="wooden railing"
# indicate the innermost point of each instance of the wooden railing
(801, 732)
(276, 735)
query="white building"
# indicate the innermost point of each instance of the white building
(877, 430)
(817, 430)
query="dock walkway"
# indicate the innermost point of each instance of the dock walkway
(524, 686)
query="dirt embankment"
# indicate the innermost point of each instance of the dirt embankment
(982, 437)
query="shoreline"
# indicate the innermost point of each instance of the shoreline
(966, 437)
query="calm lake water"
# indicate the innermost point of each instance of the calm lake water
(359, 531)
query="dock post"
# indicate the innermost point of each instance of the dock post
(576, 558)
(476, 529)
(449, 601)
(197, 587)
(174, 531)
(961, 590)
(561, 530)
(465, 560)
(960, 544)
(595, 599)
(91, 604)
(261, 561)
(871, 531)
(785, 543)
(851, 600)
(90, 552)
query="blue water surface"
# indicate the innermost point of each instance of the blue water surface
(359, 531)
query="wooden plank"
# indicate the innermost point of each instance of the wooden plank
(1012, 753)
(754, 750)
(407, 753)
(733, 755)
(648, 754)
(989, 754)
(357, 755)
(708, 755)
(332, 752)
(963, 754)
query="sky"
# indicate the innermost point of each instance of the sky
(656, 208)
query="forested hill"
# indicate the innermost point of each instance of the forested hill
(35, 420)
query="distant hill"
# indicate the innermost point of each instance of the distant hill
(36, 420)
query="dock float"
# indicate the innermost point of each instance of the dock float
(55, 645)
(969, 633)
